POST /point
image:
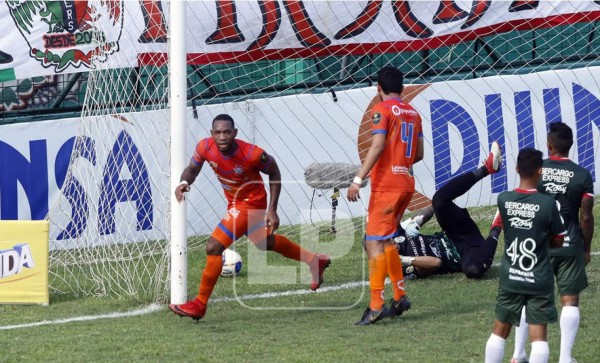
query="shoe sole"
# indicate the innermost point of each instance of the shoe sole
(497, 159)
(182, 313)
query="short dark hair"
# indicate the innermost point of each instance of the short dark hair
(560, 136)
(390, 80)
(529, 162)
(224, 117)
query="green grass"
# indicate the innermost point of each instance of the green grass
(450, 321)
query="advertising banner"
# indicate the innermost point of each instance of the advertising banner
(50, 37)
(24, 262)
(122, 179)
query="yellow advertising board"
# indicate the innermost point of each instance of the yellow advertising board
(24, 262)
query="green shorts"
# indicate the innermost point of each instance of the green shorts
(571, 278)
(540, 308)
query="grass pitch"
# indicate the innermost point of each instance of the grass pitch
(450, 321)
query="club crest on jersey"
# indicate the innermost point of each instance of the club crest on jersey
(238, 169)
(376, 118)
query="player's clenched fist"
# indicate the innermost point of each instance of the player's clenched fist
(182, 188)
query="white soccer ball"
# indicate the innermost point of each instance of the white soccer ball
(232, 263)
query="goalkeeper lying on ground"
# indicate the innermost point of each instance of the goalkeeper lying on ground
(460, 246)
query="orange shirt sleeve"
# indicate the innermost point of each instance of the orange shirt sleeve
(262, 159)
(380, 120)
(198, 157)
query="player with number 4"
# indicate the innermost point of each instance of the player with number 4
(532, 223)
(396, 145)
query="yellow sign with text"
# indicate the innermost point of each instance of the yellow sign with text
(24, 262)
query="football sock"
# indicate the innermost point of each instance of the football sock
(521, 333)
(394, 267)
(377, 274)
(210, 275)
(569, 324)
(291, 250)
(481, 173)
(540, 352)
(494, 349)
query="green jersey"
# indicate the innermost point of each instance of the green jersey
(529, 220)
(568, 183)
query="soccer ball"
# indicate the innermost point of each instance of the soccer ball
(232, 263)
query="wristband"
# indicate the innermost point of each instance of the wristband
(184, 182)
(357, 180)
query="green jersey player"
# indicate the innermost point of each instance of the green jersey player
(531, 224)
(572, 187)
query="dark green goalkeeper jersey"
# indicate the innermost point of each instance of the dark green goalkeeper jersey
(529, 220)
(568, 183)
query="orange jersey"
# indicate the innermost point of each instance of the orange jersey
(402, 126)
(238, 173)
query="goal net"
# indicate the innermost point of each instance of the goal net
(298, 78)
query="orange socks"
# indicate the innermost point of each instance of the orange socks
(291, 250)
(395, 271)
(377, 273)
(210, 275)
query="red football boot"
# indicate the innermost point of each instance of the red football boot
(193, 308)
(493, 163)
(317, 266)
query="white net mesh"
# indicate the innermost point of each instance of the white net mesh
(297, 77)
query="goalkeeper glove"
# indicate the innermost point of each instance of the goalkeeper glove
(411, 227)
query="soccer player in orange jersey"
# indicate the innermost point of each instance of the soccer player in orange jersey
(237, 165)
(396, 145)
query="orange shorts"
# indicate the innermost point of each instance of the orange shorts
(385, 211)
(241, 220)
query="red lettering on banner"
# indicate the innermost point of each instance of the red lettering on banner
(448, 12)
(362, 22)
(227, 28)
(478, 8)
(306, 32)
(271, 15)
(156, 29)
(521, 5)
(408, 21)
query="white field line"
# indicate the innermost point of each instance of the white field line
(157, 307)
(145, 310)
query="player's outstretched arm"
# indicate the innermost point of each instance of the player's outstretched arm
(188, 176)
(586, 221)
(426, 265)
(272, 170)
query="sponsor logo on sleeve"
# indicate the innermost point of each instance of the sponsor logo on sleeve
(264, 157)
(376, 118)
